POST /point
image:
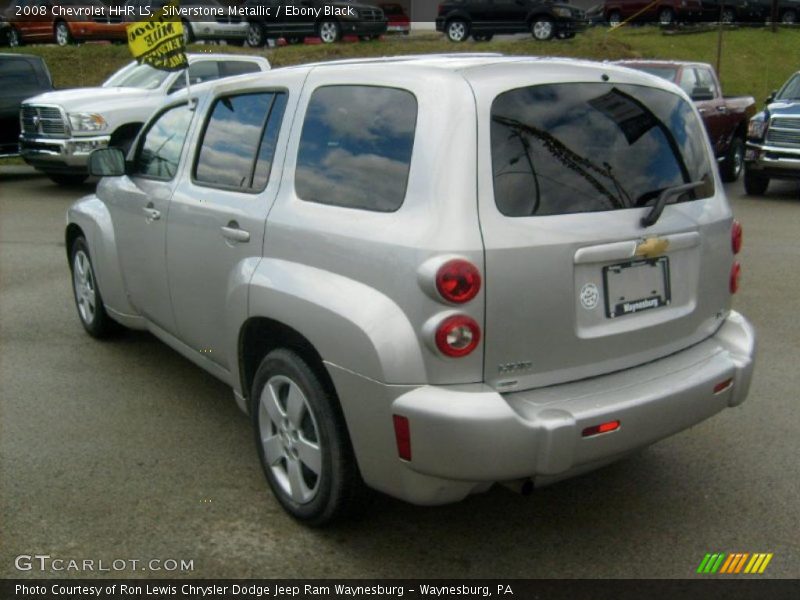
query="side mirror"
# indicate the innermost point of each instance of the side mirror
(771, 96)
(702, 93)
(107, 162)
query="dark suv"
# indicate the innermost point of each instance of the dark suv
(327, 19)
(21, 76)
(482, 19)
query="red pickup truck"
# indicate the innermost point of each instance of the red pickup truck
(725, 117)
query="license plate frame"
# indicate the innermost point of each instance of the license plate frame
(626, 296)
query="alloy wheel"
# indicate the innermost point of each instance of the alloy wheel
(83, 283)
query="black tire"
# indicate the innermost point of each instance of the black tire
(62, 34)
(482, 37)
(14, 38)
(614, 18)
(666, 17)
(731, 167)
(789, 17)
(256, 36)
(188, 34)
(457, 30)
(543, 28)
(728, 16)
(67, 178)
(95, 321)
(329, 31)
(755, 184)
(313, 498)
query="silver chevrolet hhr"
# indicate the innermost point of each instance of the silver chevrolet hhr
(428, 274)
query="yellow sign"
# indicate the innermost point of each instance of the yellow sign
(652, 247)
(158, 40)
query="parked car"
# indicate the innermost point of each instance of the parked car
(667, 12)
(38, 21)
(21, 76)
(725, 117)
(60, 129)
(398, 20)
(751, 11)
(301, 236)
(459, 19)
(773, 139)
(5, 32)
(328, 20)
(227, 27)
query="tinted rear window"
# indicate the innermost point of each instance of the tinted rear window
(585, 147)
(355, 149)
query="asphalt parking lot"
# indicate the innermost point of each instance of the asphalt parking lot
(125, 450)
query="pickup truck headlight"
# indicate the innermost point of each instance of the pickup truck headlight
(87, 122)
(756, 128)
(561, 11)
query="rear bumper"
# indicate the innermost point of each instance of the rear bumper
(774, 161)
(69, 155)
(464, 438)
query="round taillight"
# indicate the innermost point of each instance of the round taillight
(458, 336)
(458, 281)
(736, 271)
(736, 237)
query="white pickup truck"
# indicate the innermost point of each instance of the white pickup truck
(60, 129)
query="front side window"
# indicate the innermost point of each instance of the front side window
(160, 148)
(238, 144)
(355, 148)
(585, 147)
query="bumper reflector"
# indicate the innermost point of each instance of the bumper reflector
(402, 434)
(602, 428)
(723, 385)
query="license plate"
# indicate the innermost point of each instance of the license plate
(636, 286)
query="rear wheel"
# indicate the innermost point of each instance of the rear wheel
(63, 36)
(614, 18)
(755, 184)
(543, 28)
(457, 30)
(666, 17)
(329, 32)
(14, 39)
(302, 440)
(732, 165)
(789, 17)
(728, 15)
(88, 300)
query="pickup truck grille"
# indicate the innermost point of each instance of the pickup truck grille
(784, 131)
(43, 120)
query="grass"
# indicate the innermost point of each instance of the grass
(754, 60)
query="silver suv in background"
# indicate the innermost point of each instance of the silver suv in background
(301, 235)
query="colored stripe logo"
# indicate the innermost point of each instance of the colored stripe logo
(734, 563)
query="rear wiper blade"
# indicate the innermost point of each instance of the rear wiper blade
(667, 194)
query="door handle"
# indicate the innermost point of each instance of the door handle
(702, 111)
(151, 214)
(234, 234)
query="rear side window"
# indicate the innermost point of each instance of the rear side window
(239, 141)
(355, 148)
(584, 147)
(228, 68)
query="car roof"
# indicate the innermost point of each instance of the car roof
(193, 56)
(661, 63)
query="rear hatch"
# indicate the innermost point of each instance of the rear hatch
(576, 284)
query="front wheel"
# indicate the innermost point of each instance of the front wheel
(302, 440)
(789, 17)
(732, 165)
(543, 29)
(255, 35)
(87, 296)
(614, 18)
(666, 17)
(728, 16)
(63, 36)
(329, 32)
(755, 184)
(457, 30)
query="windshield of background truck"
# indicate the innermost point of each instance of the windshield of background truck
(586, 147)
(143, 77)
(790, 90)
